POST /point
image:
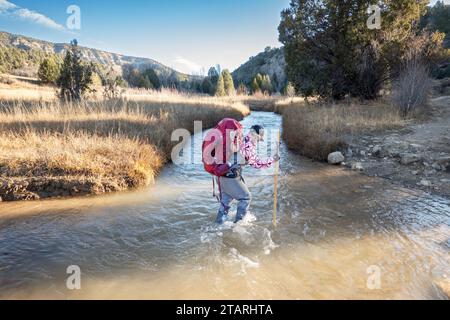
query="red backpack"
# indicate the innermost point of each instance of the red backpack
(214, 158)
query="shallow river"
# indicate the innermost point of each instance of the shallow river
(339, 235)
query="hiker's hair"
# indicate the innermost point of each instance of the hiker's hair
(257, 128)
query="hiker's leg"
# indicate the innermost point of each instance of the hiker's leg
(236, 189)
(224, 208)
(243, 206)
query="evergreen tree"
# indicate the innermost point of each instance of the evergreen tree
(147, 79)
(173, 81)
(266, 85)
(207, 87)
(76, 76)
(135, 78)
(328, 44)
(213, 75)
(220, 88)
(228, 83)
(275, 84)
(49, 70)
(259, 80)
(129, 72)
(242, 89)
(144, 82)
(255, 86)
(151, 75)
(437, 18)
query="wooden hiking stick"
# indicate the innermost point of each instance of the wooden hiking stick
(275, 186)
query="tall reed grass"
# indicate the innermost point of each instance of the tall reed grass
(317, 129)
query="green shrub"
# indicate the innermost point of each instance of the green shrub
(220, 89)
(228, 83)
(49, 71)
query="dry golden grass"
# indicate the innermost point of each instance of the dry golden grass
(284, 103)
(14, 94)
(258, 102)
(24, 89)
(97, 146)
(315, 130)
(87, 161)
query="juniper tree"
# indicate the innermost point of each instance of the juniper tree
(220, 88)
(255, 86)
(49, 70)
(213, 75)
(259, 79)
(207, 87)
(151, 75)
(76, 75)
(275, 84)
(242, 89)
(228, 83)
(266, 85)
(328, 44)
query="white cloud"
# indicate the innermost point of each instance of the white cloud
(189, 66)
(5, 6)
(8, 8)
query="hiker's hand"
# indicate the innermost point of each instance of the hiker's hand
(234, 147)
(276, 157)
(234, 167)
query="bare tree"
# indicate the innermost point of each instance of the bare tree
(412, 88)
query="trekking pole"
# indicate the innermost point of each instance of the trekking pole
(275, 187)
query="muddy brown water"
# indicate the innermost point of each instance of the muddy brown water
(340, 235)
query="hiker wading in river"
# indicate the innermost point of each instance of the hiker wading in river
(228, 172)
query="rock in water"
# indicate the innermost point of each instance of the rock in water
(425, 183)
(376, 151)
(436, 166)
(408, 158)
(357, 166)
(335, 158)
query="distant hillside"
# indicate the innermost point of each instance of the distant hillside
(117, 61)
(270, 62)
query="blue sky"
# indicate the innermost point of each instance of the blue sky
(188, 35)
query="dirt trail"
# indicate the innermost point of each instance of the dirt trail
(415, 156)
(434, 135)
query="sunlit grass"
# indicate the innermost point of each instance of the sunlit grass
(119, 144)
(317, 129)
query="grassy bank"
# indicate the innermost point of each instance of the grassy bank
(50, 149)
(316, 129)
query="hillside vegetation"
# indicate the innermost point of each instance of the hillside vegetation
(269, 62)
(22, 55)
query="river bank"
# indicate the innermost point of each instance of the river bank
(49, 149)
(416, 156)
(375, 140)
